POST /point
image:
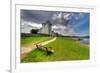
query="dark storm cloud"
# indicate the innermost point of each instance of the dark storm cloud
(36, 16)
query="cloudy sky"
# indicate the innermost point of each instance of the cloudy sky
(65, 23)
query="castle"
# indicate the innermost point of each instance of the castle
(46, 28)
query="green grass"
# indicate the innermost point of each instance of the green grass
(27, 40)
(36, 56)
(65, 49)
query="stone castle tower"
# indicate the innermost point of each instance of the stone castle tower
(46, 28)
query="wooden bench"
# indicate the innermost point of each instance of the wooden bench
(48, 50)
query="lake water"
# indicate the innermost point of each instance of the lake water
(85, 41)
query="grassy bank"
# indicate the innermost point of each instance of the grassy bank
(27, 40)
(65, 49)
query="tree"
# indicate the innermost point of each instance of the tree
(34, 31)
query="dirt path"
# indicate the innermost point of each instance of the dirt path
(30, 47)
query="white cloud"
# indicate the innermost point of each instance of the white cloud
(57, 16)
(62, 29)
(67, 16)
(27, 26)
(62, 15)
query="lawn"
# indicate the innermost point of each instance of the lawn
(28, 40)
(65, 49)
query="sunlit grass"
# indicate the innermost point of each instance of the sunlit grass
(27, 40)
(65, 49)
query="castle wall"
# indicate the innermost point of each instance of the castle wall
(46, 29)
